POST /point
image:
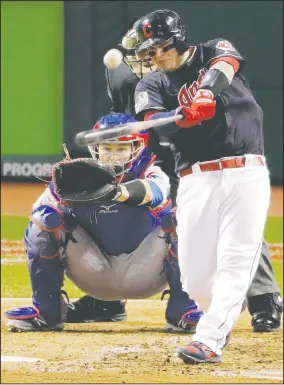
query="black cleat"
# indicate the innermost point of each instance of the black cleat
(90, 309)
(265, 310)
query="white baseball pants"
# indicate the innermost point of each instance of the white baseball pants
(221, 217)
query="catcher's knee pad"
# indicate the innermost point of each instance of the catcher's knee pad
(45, 230)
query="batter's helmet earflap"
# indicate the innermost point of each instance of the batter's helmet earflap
(160, 26)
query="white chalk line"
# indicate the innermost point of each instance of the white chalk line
(19, 359)
(268, 375)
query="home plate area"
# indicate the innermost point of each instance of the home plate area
(136, 351)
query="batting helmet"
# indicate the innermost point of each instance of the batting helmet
(160, 26)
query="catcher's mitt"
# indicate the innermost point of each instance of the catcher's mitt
(83, 180)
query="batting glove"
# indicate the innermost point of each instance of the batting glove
(205, 104)
(191, 118)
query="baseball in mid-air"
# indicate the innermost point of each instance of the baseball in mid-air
(113, 58)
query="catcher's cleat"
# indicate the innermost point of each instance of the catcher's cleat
(28, 319)
(90, 309)
(197, 353)
(266, 312)
(181, 313)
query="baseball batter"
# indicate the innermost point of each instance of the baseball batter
(263, 298)
(114, 248)
(224, 189)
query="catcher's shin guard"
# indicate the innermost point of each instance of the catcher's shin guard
(29, 319)
(46, 269)
(171, 262)
(181, 312)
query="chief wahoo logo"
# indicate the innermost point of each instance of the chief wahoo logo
(147, 30)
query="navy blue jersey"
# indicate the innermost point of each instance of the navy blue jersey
(235, 130)
(115, 227)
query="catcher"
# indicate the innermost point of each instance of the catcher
(107, 222)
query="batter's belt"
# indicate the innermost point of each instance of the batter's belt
(216, 165)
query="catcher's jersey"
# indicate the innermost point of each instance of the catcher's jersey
(115, 227)
(235, 130)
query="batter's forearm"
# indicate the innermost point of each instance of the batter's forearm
(219, 77)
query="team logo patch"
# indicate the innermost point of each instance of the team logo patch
(141, 101)
(147, 30)
(225, 45)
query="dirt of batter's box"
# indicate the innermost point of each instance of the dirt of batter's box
(136, 351)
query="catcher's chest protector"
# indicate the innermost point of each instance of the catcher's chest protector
(114, 226)
(117, 228)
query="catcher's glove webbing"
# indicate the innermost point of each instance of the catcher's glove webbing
(83, 180)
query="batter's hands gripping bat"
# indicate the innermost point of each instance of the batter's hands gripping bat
(84, 138)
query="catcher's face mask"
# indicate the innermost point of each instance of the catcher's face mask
(128, 48)
(120, 153)
(116, 155)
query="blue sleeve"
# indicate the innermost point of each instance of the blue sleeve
(157, 194)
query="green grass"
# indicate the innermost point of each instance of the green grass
(15, 279)
(13, 228)
(274, 230)
(278, 271)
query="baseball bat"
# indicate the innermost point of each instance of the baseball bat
(84, 138)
